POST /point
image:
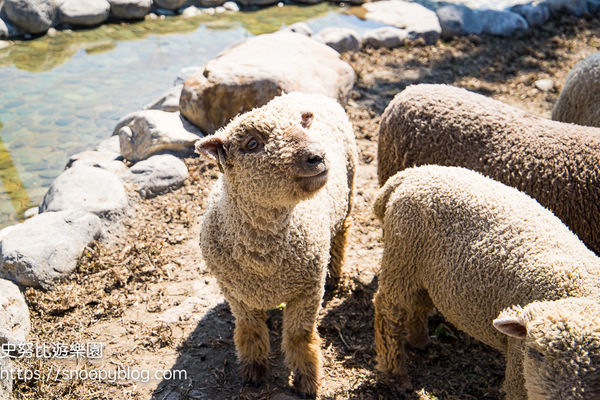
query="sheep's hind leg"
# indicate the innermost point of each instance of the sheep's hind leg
(417, 332)
(302, 344)
(337, 256)
(251, 337)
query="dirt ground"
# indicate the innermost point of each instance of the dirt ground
(146, 294)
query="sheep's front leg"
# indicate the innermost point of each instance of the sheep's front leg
(302, 344)
(337, 252)
(251, 337)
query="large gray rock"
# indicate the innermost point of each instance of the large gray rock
(33, 16)
(110, 145)
(575, 7)
(535, 14)
(252, 72)
(130, 9)
(14, 314)
(170, 4)
(145, 133)
(46, 247)
(418, 21)
(8, 30)
(157, 175)
(339, 39)
(86, 188)
(83, 12)
(459, 20)
(99, 159)
(387, 36)
(168, 101)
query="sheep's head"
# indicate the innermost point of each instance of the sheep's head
(561, 347)
(267, 160)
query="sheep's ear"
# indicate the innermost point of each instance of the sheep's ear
(511, 325)
(307, 119)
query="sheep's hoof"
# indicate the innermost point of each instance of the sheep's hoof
(418, 342)
(253, 374)
(397, 382)
(305, 386)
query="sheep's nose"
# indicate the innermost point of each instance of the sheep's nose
(315, 159)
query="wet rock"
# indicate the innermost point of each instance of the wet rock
(231, 6)
(535, 14)
(168, 101)
(169, 4)
(309, 1)
(130, 9)
(46, 247)
(273, 64)
(33, 16)
(157, 175)
(300, 27)
(145, 133)
(185, 73)
(388, 37)
(246, 3)
(110, 145)
(575, 7)
(459, 20)
(8, 30)
(98, 159)
(14, 314)
(545, 85)
(88, 189)
(418, 21)
(339, 39)
(83, 12)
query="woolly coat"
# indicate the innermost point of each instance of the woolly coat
(476, 247)
(579, 100)
(558, 164)
(263, 248)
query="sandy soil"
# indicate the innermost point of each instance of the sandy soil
(146, 294)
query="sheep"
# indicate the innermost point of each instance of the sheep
(579, 100)
(276, 217)
(498, 266)
(558, 164)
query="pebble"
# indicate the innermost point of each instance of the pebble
(545, 85)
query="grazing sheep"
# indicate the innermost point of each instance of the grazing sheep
(498, 266)
(579, 100)
(276, 217)
(557, 164)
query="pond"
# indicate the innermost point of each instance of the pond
(64, 94)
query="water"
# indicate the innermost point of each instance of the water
(64, 94)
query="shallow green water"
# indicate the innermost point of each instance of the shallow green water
(60, 95)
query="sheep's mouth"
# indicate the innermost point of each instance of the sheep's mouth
(314, 182)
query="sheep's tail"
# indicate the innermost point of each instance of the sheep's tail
(384, 195)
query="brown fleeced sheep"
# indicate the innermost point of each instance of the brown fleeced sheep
(499, 267)
(579, 100)
(558, 164)
(277, 216)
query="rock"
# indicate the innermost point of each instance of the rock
(308, 1)
(273, 64)
(418, 21)
(220, 10)
(168, 101)
(46, 247)
(339, 39)
(145, 133)
(388, 37)
(157, 175)
(33, 16)
(130, 9)
(31, 212)
(14, 314)
(246, 3)
(88, 189)
(231, 6)
(4, 44)
(8, 30)
(83, 12)
(575, 7)
(169, 4)
(535, 14)
(190, 12)
(110, 145)
(210, 3)
(459, 20)
(6, 385)
(300, 27)
(98, 159)
(51, 32)
(545, 85)
(186, 73)
(593, 6)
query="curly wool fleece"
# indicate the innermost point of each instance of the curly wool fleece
(558, 164)
(472, 247)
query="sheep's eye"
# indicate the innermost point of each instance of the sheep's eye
(251, 145)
